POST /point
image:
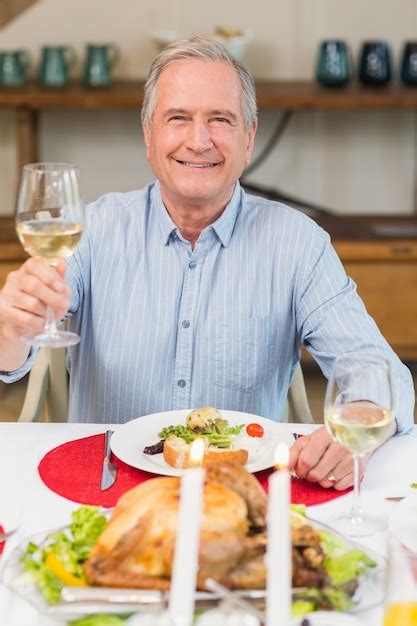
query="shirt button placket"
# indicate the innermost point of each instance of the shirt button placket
(184, 352)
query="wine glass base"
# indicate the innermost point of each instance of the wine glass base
(59, 339)
(357, 525)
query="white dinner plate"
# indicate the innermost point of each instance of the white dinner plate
(129, 440)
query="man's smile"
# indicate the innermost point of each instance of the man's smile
(197, 165)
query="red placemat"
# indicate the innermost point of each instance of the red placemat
(73, 470)
(1, 542)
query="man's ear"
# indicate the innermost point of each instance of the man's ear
(250, 141)
(147, 138)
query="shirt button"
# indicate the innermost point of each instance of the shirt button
(181, 383)
(192, 265)
(186, 324)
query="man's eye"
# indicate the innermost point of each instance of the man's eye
(177, 118)
(224, 120)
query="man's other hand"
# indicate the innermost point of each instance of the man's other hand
(318, 458)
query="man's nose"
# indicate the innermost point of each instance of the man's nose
(198, 137)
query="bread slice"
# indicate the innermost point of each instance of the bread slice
(177, 452)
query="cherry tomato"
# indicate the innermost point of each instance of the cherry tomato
(255, 430)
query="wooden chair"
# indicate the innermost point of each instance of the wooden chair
(298, 405)
(47, 391)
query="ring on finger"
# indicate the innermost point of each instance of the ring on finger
(331, 477)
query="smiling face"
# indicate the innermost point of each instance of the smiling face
(198, 143)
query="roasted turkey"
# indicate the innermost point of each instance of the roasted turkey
(136, 548)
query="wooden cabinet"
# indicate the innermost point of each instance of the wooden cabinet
(12, 254)
(386, 276)
(380, 254)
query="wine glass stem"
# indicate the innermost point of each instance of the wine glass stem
(357, 510)
(50, 323)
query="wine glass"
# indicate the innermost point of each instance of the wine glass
(359, 415)
(49, 223)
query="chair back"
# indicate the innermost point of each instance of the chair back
(46, 396)
(297, 398)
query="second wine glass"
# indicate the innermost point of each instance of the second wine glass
(49, 223)
(359, 415)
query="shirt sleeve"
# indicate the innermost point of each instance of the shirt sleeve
(332, 320)
(12, 377)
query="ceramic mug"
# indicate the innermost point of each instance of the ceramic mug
(409, 63)
(333, 64)
(99, 62)
(375, 63)
(55, 65)
(13, 66)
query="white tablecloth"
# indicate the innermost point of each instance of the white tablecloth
(390, 472)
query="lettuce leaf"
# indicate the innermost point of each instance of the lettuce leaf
(72, 546)
(299, 508)
(100, 620)
(301, 607)
(332, 544)
(219, 434)
(347, 566)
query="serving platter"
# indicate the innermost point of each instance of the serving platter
(129, 440)
(369, 594)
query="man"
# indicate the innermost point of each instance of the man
(190, 292)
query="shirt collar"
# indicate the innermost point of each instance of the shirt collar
(223, 226)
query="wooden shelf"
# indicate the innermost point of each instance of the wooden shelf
(271, 95)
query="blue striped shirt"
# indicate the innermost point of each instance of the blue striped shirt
(166, 327)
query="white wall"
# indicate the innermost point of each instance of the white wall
(354, 162)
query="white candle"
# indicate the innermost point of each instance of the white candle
(278, 556)
(185, 566)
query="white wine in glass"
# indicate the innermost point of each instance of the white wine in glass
(359, 415)
(49, 224)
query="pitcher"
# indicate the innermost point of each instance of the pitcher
(99, 63)
(13, 66)
(55, 64)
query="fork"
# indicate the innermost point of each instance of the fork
(109, 471)
(5, 535)
(233, 598)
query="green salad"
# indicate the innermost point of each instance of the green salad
(58, 561)
(343, 566)
(218, 433)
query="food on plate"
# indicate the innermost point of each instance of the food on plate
(325, 564)
(206, 423)
(134, 549)
(177, 452)
(202, 418)
(58, 561)
(254, 430)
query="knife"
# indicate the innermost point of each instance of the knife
(109, 471)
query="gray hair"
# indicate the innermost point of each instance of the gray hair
(207, 50)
